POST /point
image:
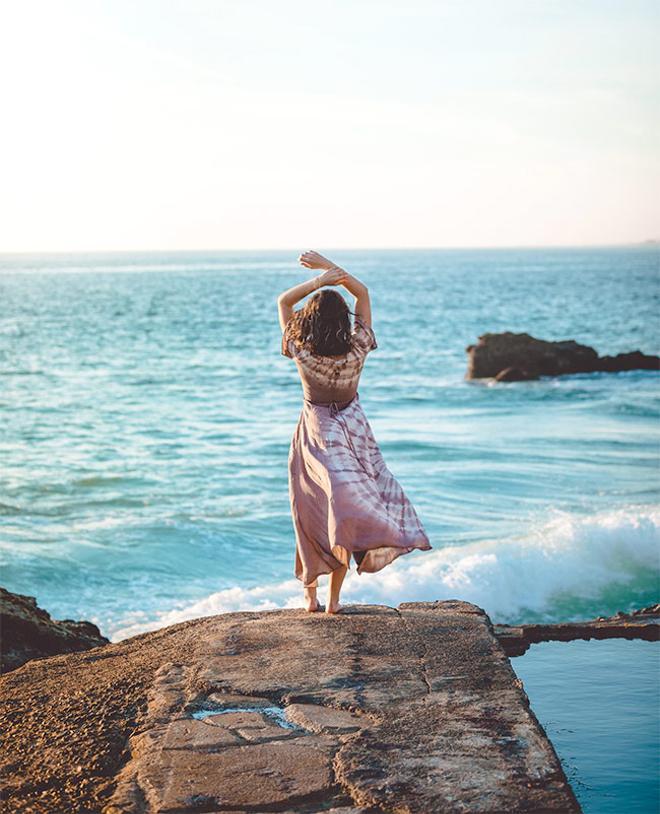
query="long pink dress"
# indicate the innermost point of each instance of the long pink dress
(344, 499)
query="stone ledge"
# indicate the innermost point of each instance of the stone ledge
(641, 624)
(408, 709)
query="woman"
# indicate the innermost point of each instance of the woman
(344, 499)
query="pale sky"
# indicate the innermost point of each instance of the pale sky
(213, 124)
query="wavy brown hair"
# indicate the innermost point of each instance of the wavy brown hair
(323, 325)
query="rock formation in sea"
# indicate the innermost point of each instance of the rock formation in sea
(518, 357)
(28, 632)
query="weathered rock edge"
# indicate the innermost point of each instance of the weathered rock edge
(410, 709)
(640, 624)
(414, 709)
(511, 357)
(28, 632)
(68, 719)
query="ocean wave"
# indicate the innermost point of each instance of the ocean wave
(562, 563)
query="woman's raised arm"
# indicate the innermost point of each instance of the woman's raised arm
(287, 299)
(361, 293)
(357, 288)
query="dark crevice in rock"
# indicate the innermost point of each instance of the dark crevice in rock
(421, 656)
(357, 672)
(139, 803)
(239, 738)
(240, 741)
(353, 794)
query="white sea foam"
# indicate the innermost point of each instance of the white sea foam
(564, 556)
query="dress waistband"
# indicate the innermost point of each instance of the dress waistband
(333, 406)
(335, 411)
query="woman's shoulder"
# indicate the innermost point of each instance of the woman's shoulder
(363, 340)
(363, 335)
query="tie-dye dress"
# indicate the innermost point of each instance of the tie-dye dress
(344, 499)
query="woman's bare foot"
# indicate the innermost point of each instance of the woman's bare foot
(312, 604)
(334, 607)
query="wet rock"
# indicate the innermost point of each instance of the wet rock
(28, 632)
(511, 356)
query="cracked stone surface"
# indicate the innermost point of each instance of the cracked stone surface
(409, 710)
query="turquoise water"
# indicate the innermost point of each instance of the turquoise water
(146, 414)
(605, 731)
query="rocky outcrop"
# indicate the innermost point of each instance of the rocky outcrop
(28, 632)
(378, 709)
(640, 624)
(517, 357)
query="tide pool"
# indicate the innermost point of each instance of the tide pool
(599, 703)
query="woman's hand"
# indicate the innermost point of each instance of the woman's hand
(314, 260)
(334, 276)
(288, 298)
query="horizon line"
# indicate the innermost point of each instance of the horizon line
(630, 244)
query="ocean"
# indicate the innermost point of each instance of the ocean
(146, 414)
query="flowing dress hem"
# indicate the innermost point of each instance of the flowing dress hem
(368, 564)
(375, 559)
